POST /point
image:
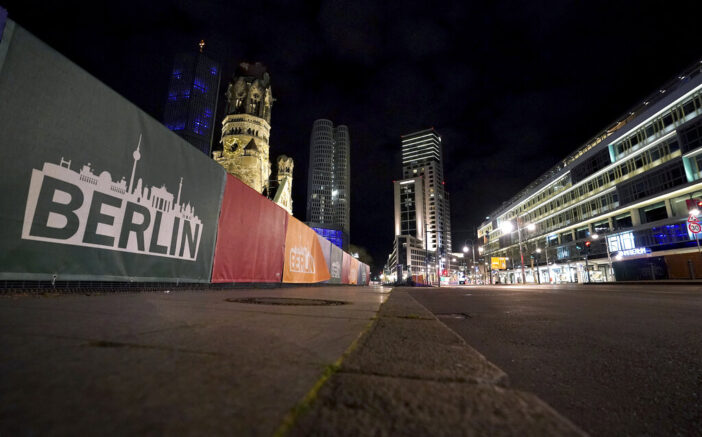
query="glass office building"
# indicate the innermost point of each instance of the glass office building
(617, 208)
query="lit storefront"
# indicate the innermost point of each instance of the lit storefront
(617, 208)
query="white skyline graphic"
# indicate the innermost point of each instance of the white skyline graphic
(149, 208)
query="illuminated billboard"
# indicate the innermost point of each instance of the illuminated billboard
(498, 263)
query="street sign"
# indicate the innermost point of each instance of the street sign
(695, 228)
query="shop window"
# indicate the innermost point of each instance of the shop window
(653, 212)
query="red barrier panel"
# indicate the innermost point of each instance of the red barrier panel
(251, 236)
(304, 258)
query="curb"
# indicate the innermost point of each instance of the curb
(409, 374)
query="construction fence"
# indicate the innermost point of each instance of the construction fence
(94, 189)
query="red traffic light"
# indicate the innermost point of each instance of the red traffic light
(693, 204)
(588, 243)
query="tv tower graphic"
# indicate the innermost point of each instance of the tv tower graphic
(151, 220)
(137, 157)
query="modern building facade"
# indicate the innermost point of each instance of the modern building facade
(191, 105)
(328, 182)
(422, 244)
(617, 207)
(422, 156)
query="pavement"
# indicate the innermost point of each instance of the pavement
(250, 362)
(185, 363)
(412, 376)
(617, 360)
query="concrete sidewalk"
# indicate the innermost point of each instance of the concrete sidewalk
(198, 363)
(169, 363)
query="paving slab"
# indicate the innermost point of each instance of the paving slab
(368, 405)
(169, 363)
(410, 375)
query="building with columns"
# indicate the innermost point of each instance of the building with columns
(618, 207)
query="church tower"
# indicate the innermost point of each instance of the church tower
(283, 191)
(246, 127)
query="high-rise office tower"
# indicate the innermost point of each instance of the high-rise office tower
(422, 157)
(192, 98)
(328, 196)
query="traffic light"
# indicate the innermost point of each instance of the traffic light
(587, 246)
(694, 204)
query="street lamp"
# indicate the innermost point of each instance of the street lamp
(507, 227)
(595, 236)
(465, 250)
(481, 249)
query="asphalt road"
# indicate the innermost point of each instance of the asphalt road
(616, 360)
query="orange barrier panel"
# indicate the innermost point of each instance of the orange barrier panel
(304, 258)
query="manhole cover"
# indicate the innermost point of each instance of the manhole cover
(295, 301)
(454, 316)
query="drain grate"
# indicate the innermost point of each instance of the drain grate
(294, 301)
(454, 316)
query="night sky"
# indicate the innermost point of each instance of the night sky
(512, 87)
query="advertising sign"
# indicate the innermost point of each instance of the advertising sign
(498, 263)
(93, 188)
(304, 260)
(251, 239)
(635, 251)
(336, 261)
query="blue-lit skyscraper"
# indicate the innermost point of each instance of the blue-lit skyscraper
(191, 105)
